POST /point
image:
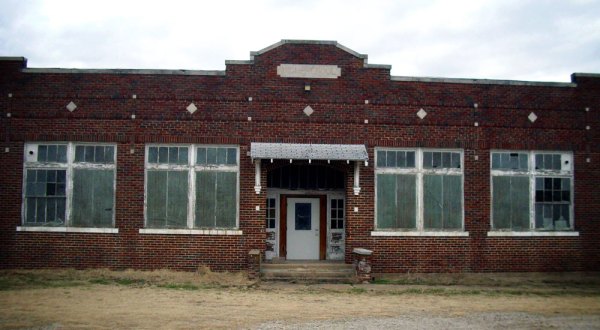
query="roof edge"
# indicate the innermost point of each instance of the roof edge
(129, 71)
(482, 81)
(310, 42)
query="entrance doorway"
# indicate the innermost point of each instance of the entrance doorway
(303, 228)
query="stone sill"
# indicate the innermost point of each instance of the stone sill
(531, 233)
(222, 232)
(69, 230)
(421, 233)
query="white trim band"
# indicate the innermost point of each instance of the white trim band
(422, 233)
(222, 232)
(69, 230)
(531, 233)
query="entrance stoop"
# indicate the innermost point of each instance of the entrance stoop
(308, 272)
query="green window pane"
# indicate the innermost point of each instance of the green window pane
(156, 199)
(167, 199)
(396, 201)
(221, 156)
(211, 156)
(205, 199)
(173, 155)
(406, 201)
(226, 199)
(177, 199)
(79, 153)
(433, 201)
(183, 155)
(42, 153)
(231, 156)
(216, 199)
(381, 158)
(93, 198)
(153, 155)
(201, 156)
(386, 201)
(61, 156)
(442, 199)
(99, 154)
(52, 153)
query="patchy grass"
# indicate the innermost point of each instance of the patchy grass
(202, 278)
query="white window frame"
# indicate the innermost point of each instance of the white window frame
(420, 171)
(191, 167)
(69, 166)
(532, 173)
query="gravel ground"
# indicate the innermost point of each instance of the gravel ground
(471, 321)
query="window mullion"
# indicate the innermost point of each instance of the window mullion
(419, 192)
(191, 187)
(69, 183)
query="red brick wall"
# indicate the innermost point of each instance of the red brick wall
(105, 105)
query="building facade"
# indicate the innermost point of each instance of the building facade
(305, 151)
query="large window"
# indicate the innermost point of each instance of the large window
(191, 186)
(419, 189)
(69, 184)
(532, 190)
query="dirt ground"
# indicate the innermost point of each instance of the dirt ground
(144, 300)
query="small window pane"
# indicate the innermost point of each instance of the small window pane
(89, 154)
(410, 159)
(427, 160)
(173, 155)
(381, 158)
(99, 154)
(391, 159)
(61, 154)
(163, 155)
(109, 155)
(401, 159)
(183, 155)
(539, 161)
(231, 156)
(523, 162)
(42, 153)
(221, 156)
(52, 154)
(201, 156)
(211, 156)
(79, 153)
(437, 160)
(446, 159)
(495, 161)
(153, 155)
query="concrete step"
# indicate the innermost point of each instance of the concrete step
(316, 272)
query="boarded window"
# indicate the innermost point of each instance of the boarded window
(396, 201)
(167, 198)
(216, 202)
(442, 199)
(510, 202)
(93, 197)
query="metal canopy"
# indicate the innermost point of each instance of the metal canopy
(353, 152)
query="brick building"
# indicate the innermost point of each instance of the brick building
(305, 151)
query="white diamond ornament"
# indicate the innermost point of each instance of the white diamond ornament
(532, 117)
(71, 106)
(191, 108)
(308, 110)
(421, 113)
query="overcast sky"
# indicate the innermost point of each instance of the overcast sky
(496, 39)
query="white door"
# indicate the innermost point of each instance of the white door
(302, 229)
